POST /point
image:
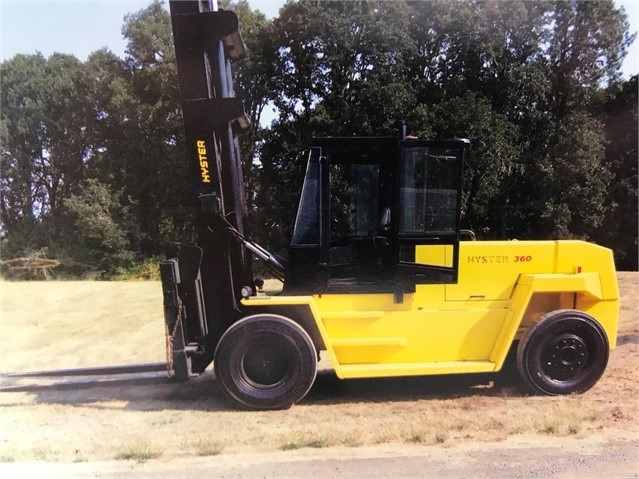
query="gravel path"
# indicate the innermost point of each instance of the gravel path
(559, 458)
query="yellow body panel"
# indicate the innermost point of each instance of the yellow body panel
(503, 288)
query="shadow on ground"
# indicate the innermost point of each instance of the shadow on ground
(148, 388)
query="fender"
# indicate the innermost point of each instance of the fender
(588, 288)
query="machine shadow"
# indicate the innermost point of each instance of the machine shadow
(329, 389)
(154, 391)
(144, 392)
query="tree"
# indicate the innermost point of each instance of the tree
(23, 139)
(45, 143)
(573, 180)
(100, 240)
(117, 121)
(156, 184)
(562, 190)
(586, 42)
(96, 147)
(619, 229)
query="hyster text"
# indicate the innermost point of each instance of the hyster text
(204, 162)
(487, 259)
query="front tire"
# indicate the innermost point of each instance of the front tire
(265, 361)
(564, 352)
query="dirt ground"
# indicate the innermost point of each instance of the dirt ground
(136, 424)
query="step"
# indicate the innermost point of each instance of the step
(413, 369)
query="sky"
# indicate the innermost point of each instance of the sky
(80, 27)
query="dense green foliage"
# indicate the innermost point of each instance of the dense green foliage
(92, 157)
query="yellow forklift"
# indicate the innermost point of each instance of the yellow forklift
(379, 273)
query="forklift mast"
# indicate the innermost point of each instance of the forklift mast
(202, 283)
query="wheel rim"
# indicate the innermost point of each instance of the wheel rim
(565, 357)
(267, 361)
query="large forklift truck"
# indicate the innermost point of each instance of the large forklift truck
(379, 274)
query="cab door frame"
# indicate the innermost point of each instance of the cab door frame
(428, 173)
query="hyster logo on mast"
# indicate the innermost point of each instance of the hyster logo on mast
(204, 163)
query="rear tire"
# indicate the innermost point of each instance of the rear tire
(265, 361)
(564, 352)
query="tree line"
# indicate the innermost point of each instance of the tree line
(92, 157)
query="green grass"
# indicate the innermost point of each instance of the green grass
(147, 270)
(306, 443)
(139, 451)
(43, 453)
(208, 447)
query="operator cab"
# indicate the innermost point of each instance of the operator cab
(377, 215)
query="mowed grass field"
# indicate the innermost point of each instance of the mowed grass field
(58, 325)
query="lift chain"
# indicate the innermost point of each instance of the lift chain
(169, 335)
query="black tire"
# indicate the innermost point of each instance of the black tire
(564, 352)
(265, 362)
